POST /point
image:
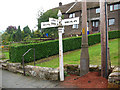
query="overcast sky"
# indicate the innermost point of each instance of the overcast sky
(24, 12)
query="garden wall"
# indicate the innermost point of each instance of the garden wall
(49, 48)
(34, 71)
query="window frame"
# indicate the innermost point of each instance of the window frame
(95, 23)
(112, 7)
(97, 10)
(71, 15)
(109, 21)
(116, 6)
(75, 26)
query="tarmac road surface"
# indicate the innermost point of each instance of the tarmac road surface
(15, 80)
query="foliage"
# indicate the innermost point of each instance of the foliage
(17, 36)
(45, 18)
(10, 29)
(5, 37)
(27, 31)
(37, 34)
(27, 38)
(49, 48)
(12, 34)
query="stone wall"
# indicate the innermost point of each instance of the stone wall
(75, 69)
(42, 72)
(114, 78)
(35, 71)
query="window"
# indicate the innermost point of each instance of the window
(87, 24)
(114, 7)
(95, 23)
(75, 26)
(72, 15)
(111, 21)
(98, 10)
(111, 7)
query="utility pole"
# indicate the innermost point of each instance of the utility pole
(103, 29)
(107, 46)
(84, 58)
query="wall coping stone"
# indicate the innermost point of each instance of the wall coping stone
(115, 74)
(4, 61)
(116, 69)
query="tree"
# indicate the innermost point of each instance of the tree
(18, 35)
(6, 36)
(22, 35)
(37, 34)
(27, 31)
(11, 29)
(45, 18)
(32, 34)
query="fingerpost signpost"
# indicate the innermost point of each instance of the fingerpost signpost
(60, 24)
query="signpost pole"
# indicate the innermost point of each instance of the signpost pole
(84, 58)
(60, 31)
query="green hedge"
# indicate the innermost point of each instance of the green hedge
(49, 48)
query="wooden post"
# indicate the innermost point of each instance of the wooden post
(103, 26)
(84, 58)
(60, 31)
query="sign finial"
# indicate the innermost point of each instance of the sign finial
(59, 13)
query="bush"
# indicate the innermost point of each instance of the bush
(49, 48)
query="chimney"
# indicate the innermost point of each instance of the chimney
(76, 0)
(60, 3)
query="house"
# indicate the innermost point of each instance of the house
(74, 9)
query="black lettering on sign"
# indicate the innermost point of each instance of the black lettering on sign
(71, 21)
(75, 20)
(53, 23)
(66, 22)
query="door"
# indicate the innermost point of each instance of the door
(95, 26)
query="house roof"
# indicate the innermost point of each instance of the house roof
(78, 6)
(65, 7)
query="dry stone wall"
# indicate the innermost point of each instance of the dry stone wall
(35, 71)
(114, 78)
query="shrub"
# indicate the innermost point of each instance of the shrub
(49, 48)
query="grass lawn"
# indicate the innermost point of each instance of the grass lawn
(73, 57)
(6, 53)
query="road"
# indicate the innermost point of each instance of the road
(13, 80)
